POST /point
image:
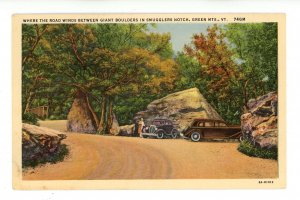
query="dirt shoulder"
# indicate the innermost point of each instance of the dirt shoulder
(112, 157)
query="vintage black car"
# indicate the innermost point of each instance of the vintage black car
(160, 128)
(211, 129)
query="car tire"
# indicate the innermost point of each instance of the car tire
(152, 129)
(195, 136)
(160, 134)
(174, 133)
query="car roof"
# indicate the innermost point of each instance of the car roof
(209, 120)
(160, 119)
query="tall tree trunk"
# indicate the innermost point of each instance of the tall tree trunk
(245, 96)
(28, 102)
(110, 116)
(96, 121)
(103, 115)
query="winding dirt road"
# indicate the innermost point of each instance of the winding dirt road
(112, 157)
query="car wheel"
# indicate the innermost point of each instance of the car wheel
(174, 133)
(195, 136)
(152, 129)
(160, 134)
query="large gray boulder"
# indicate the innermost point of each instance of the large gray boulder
(181, 107)
(259, 125)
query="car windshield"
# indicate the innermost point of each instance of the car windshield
(158, 123)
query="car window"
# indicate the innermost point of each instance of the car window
(158, 123)
(222, 124)
(209, 124)
(200, 124)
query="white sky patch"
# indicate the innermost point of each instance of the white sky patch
(181, 34)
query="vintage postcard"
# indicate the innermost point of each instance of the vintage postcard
(149, 101)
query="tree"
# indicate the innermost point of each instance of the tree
(218, 71)
(104, 61)
(237, 62)
(32, 36)
(255, 46)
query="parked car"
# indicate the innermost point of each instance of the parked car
(211, 129)
(160, 128)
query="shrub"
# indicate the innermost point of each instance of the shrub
(58, 156)
(30, 118)
(247, 148)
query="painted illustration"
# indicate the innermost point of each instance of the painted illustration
(157, 100)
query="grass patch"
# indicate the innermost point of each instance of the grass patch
(58, 156)
(247, 148)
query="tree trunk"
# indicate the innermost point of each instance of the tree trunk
(96, 121)
(102, 123)
(245, 96)
(28, 102)
(109, 116)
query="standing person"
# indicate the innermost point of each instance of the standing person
(136, 128)
(140, 128)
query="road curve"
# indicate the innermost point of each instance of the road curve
(110, 157)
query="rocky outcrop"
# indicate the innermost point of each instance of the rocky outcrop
(80, 118)
(126, 130)
(39, 143)
(259, 125)
(181, 107)
(115, 129)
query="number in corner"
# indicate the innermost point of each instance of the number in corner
(239, 19)
(265, 182)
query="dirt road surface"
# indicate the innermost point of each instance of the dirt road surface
(111, 157)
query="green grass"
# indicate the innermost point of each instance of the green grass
(58, 156)
(247, 148)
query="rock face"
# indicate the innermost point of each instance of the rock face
(126, 130)
(80, 118)
(39, 142)
(259, 125)
(181, 107)
(115, 129)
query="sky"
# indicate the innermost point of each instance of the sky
(181, 34)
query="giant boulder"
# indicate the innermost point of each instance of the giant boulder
(39, 143)
(115, 129)
(181, 107)
(259, 125)
(80, 117)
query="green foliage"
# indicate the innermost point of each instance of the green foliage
(247, 148)
(132, 67)
(189, 71)
(255, 45)
(30, 118)
(232, 64)
(103, 61)
(126, 105)
(58, 156)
